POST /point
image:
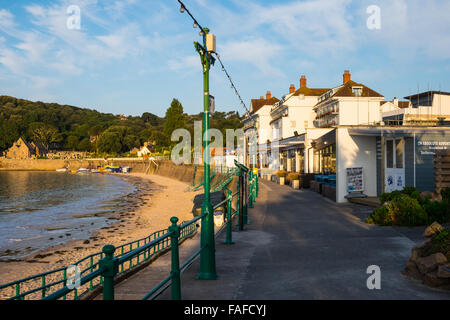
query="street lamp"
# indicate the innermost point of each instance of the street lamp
(207, 241)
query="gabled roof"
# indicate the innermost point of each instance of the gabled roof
(310, 91)
(259, 103)
(346, 90)
(401, 104)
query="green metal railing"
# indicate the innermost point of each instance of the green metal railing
(100, 269)
(40, 285)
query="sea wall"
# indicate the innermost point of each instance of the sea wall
(46, 164)
(165, 168)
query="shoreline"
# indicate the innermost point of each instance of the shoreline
(149, 209)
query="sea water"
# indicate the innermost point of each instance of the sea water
(41, 209)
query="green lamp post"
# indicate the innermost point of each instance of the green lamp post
(207, 255)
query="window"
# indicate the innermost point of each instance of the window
(399, 153)
(293, 124)
(389, 154)
(357, 91)
(394, 153)
(305, 124)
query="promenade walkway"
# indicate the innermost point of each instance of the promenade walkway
(298, 245)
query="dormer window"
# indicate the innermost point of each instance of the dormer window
(357, 91)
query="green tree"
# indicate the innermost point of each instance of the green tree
(150, 118)
(72, 142)
(85, 145)
(45, 134)
(175, 118)
(109, 142)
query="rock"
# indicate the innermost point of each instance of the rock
(86, 241)
(432, 229)
(430, 263)
(433, 280)
(415, 254)
(412, 271)
(444, 271)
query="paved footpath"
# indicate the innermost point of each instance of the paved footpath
(298, 245)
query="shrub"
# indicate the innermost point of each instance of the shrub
(439, 243)
(445, 193)
(292, 176)
(437, 211)
(380, 216)
(409, 190)
(281, 173)
(386, 197)
(403, 210)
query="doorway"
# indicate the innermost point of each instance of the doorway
(394, 165)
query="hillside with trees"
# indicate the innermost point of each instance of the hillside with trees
(64, 127)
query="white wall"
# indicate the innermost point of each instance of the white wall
(359, 111)
(353, 152)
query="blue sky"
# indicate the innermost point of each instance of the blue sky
(134, 56)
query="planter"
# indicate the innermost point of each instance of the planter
(295, 184)
(278, 180)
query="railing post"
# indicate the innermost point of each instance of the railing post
(228, 239)
(245, 200)
(257, 185)
(241, 200)
(110, 266)
(250, 200)
(174, 230)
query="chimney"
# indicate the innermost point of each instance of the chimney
(303, 81)
(395, 101)
(292, 89)
(347, 76)
(268, 95)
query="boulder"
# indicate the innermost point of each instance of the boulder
(432, 229)
(415, 254)
(430, 263)
(412, 271)
(444, 271)
(433, 280)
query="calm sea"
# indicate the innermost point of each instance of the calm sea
(40, 209)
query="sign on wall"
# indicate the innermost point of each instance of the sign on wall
(430, 147)
(355, 182)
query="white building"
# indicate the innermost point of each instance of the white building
(258, 119)
(294, 113)
(423, 108)
(348, 104)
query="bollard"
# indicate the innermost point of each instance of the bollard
(228, 239)
(110, 266)
(174, 230)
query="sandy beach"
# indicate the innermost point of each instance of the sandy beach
(158, 198)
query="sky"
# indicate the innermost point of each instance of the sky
(134, 56)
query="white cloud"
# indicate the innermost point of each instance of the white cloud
(258, 52)
(185, 63)
(6, 19)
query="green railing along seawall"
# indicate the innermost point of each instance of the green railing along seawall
(99, 270)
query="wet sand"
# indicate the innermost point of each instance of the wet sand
(149, 209)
